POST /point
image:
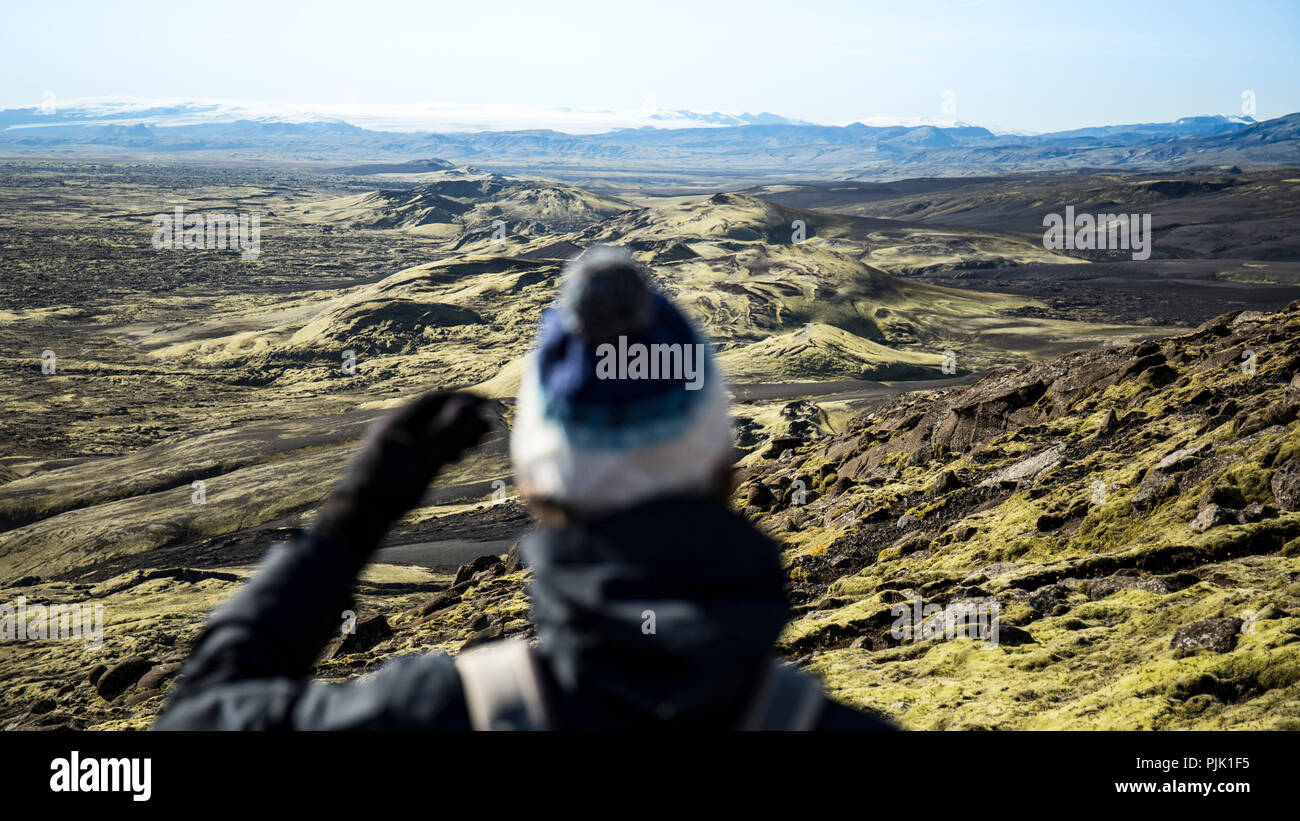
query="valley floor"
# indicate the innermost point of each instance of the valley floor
(197, 407)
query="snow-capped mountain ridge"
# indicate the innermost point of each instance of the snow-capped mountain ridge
(454, 118)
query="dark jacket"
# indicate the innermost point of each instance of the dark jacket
(662, 616)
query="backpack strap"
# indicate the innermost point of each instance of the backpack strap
(502, 690)
(787, 699)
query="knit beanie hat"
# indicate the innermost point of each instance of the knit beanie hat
(620, 401)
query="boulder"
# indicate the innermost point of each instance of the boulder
(369, 632)
(155, 678)
(511, 562)
(780, 445)
(119, 678)
(839, 486)
(1027, 468)
(487, 634)
(438, 602)
(1109, 424)
(1215, 635)
(945, 482)
(1211, 516)
(472, 568)
(140, 696)
(759, 495)
(1286, 486)
(1140, 364)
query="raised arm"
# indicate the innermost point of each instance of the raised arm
(250, 666)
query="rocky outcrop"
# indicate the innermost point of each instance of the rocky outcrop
(1161, 480)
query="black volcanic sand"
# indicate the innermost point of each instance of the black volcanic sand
(1221, 241)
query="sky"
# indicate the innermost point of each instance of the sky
(1036, 66)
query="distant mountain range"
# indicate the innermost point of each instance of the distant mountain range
(446, 118)
(647, 146)
(441, 118)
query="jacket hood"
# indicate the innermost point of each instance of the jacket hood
(666, 609)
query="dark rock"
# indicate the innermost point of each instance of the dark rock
(1201, 398)
(27, 581)
(1159, 376)
(1100, 588)
(1049, 521)
(140, 696)
(1212, 516)
(95, 672)
(476, 566)
(118, 678)
(748, 434)
(369, 632)
(779, 445)
(839, 486)
(154, 679)
(1255, 511)
(487, 634)
(438, 602)
(1141, 364)
(1204, 470)
(41, 705)
(945, 483)
(1109, 424)
(512, 561)
(1281, 412)
(1227, 496)
(1010, 635)
(760, 495)
(1218, 326)
(1047, 598)
(964, 533)
(1159, 482)
(1054, 519)
(47, 721)
(1216, 635)
(1286, 486)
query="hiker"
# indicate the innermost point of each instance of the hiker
(655, 605)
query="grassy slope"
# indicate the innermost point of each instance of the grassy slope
(1091, 586)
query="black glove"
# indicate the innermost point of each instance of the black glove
(399, 456)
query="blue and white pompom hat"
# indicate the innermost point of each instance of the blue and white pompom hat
(621, 401)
